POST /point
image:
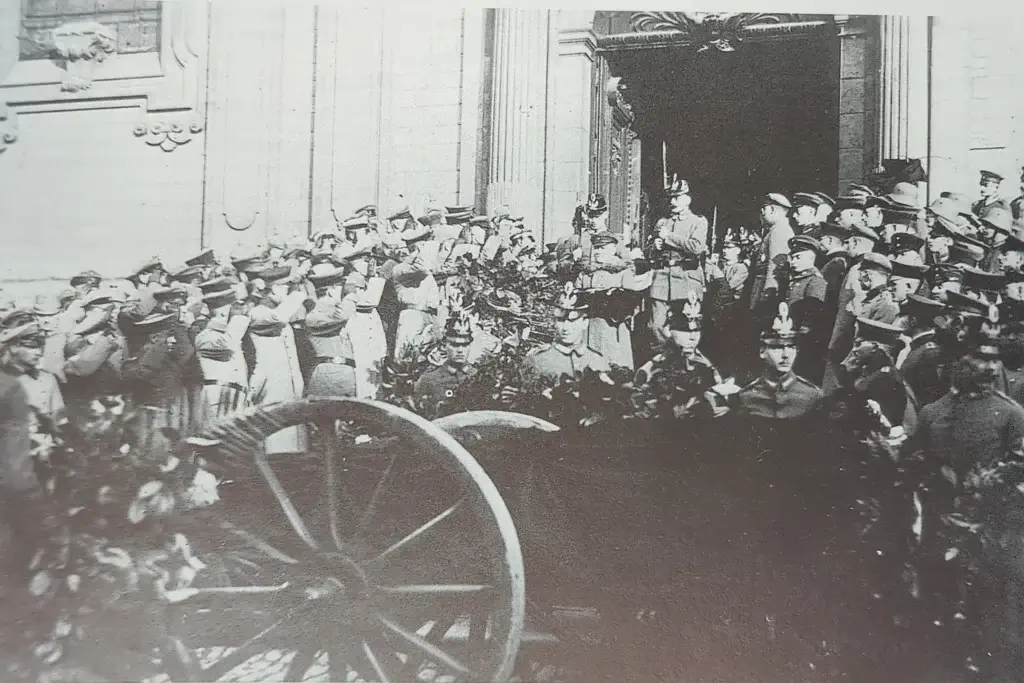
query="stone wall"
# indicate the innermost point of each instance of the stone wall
(977, 112)
(310, 112)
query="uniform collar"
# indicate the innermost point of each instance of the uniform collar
(872, 294)
(785, 382)
(567, 350)
(452, 370)
(804, 274)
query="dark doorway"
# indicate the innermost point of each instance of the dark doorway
(736, 125)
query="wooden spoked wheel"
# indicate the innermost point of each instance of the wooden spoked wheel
(379, 546)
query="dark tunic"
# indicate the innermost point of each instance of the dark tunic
(792, 397)
(964, 430)
(436, 384)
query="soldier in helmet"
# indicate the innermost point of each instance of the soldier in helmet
(683, 238)
(779, 393)
(681, 377)
(438, 384)
(569, 354)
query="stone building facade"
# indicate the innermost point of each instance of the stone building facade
(131, 127)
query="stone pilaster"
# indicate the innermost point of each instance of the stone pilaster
(518, 114)
(903, 88)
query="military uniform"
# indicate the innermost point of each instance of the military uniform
(965, 430)
(163, 377)
(771, 255)
(678, 384)
(808, 284)
(334, 365)
(555, 360)
(225, 373)
(790, 397)
(921, 362)
(440, 383)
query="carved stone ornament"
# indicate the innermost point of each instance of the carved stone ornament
(82, 45)
(705, 30)
(168, 135)
(613, 91)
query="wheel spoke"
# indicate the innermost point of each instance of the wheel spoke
(333, 505)
(285, 501)
(257, 543)
(417, 533)
(371, 507)
(436, 589)
(425, 646)
(371, 657)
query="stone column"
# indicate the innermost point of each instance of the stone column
(903, 88)
(518, 114)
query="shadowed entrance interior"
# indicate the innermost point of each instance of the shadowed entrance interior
(737, 125)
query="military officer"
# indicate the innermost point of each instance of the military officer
(163, 377)
(779, 393)
(988, 192)
(334, 365)
(974, 423)
(681, 380)
(684, 236)
(805, 294)
(907, 247)
(418, 295)
(94, 352)
(804, 280)
(906, 280)
(805, 214)
(920, 360)
(569, 354)
(860, 243)
(276, 374)
(219, 348)
(440, 383)
(849, 211)
(877, 302)
(773, 251)
(836, 262)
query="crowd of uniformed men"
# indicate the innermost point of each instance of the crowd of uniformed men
(916, 308)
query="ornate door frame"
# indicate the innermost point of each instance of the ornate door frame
(611, 114)
(615, 154)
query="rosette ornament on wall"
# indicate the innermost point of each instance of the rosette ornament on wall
(704, 30)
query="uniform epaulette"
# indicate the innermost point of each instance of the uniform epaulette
(808, 382)
(751, 384)
(538, 349)
(1000, 394)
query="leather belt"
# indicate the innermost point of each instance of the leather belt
(226, 385)
(335, 360)
(421, 309)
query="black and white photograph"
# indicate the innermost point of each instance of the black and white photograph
(396, 343)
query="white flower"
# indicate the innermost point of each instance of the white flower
(150, 489)
(203, 490)
(40, 583)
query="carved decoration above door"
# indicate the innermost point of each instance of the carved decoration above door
(703, 31)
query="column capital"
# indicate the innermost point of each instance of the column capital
(850, 25)
(577, 42)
